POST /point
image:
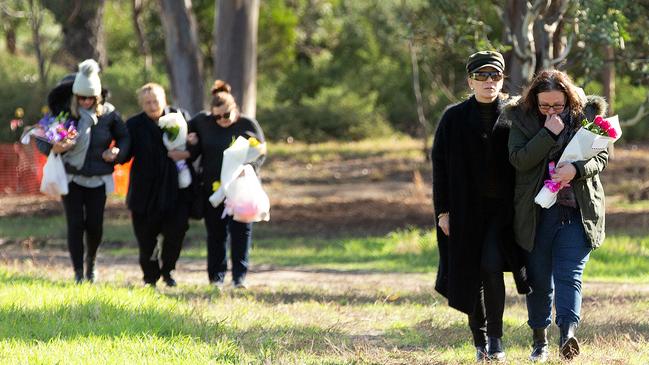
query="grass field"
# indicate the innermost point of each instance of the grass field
(344, 301)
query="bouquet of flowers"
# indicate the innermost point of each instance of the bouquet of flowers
(52, 129)
(244, 197)
(174, 138)
(591, 139)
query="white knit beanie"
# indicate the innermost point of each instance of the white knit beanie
(87, 82)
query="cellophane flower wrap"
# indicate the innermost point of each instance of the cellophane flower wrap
(174, 137)
(240, 187)
(591, 139)
(52, 129)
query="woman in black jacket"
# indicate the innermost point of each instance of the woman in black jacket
(473, 193)
(212, 133)
(158, 205)
(89, 161)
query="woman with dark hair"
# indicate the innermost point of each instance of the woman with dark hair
(89, 161)
(211, 134)
(472, 191)
(558, 240)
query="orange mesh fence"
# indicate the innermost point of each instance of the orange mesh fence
(21, 170)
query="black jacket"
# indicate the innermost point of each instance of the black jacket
(109, 127)
(459, 167)
(153, 186)
(214, 139)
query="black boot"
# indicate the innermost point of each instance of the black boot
(495, 349)
(480, 342)
(90, 269)
(568, 344)
(78, 276)
(540, 345)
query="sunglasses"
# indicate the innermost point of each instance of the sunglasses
(82, 98)
(484, 75)
(224, 116)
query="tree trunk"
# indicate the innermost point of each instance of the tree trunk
(608, 77)
(420, 104)
(143, 44)
(83, 30)
(182, 54)
(35, 22)
(235, 53)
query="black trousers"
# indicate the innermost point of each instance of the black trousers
(217, 235)
(172, 226)
(84, 213)
(487, 317)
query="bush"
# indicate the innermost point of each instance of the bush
(21, 89)
(333, 113)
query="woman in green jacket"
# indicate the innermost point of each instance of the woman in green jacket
(558, 239)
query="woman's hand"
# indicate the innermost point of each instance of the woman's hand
(442, 222)
(554, 124)
(564, 173)
(63, 146)
(192, 138)
(110, 154)
(178, 155)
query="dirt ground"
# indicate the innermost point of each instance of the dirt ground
(378, 194)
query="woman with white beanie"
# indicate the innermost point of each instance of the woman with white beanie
(89, 161)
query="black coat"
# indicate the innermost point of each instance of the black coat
(459, 169)
(153, 186)
(110, 127)
(213, 140)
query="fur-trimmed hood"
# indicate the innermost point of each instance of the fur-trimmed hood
(514, 112)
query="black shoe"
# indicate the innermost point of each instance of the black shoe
(481, 354)
(568, 344)
(169, 280)
(540, 345)
(495, 351)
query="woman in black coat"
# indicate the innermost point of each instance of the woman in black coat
(472, 193)
(89, 160)
(158, 205)
(212, 133)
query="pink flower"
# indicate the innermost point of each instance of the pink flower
(599, 120)
(605, 125)
(612, 132)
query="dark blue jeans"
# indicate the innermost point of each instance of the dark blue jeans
(218, 231)
(555, 267)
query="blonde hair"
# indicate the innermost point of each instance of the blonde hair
(151, 87)
(74, 106)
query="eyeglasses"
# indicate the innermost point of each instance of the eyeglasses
(555, 107)
(82, 98)
(484, 75)
(224, 116)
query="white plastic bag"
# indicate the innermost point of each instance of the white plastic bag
(246, 200)
(55, 181)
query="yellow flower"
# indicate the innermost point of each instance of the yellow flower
(19, 113)
(216, 185)
(253, 142)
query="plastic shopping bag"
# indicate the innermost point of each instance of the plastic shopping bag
(55, 181)
(246, 200)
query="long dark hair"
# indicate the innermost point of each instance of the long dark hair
(552, 80)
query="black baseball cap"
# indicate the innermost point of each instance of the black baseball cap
(482, 59)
